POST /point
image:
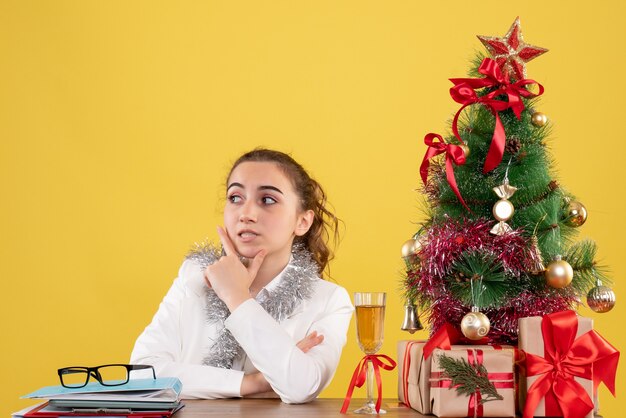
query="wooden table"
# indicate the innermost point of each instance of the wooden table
(260, 408)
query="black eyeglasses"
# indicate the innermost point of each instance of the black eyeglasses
(107, 374)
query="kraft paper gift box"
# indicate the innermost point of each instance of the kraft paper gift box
(531, 341)
(413, 376)
(500, 365)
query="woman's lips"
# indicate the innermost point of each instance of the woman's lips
(247, 236)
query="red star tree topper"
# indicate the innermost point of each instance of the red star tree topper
(511, 52)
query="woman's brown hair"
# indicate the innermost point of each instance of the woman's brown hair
(312, 197)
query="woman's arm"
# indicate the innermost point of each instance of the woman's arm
(295, 376)
(163, 345)
(256, 384)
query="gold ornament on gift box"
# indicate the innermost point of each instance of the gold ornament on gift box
(503, 209)
(539, 119)
(475, 325)
(576, 214)
(601, 298)
(559, 273)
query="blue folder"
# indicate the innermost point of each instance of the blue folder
(148, 393)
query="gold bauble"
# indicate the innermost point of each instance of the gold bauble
(539, 119)
(559, 273)
(503, 210)
(601, 299)
(475, 325)
(576, 214)
(410, 248)
(465, 149)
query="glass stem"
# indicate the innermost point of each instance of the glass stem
(370, 383)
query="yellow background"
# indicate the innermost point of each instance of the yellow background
(119, 120)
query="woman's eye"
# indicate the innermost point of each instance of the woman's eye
(234, 198)
(268, 200)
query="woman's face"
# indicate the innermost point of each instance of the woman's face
(262, 210)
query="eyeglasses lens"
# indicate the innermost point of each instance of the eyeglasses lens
(112, 375)
(74, 378)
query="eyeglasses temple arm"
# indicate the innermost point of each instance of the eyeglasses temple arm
(143, 366)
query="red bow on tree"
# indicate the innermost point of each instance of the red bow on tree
(464, 93)
(589, 356)
(454, 154)
(448, 335)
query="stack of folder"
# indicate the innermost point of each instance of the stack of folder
(139, 398)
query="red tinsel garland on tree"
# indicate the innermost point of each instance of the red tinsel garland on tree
(446, 242)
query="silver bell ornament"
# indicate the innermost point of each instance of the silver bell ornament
(411, 321)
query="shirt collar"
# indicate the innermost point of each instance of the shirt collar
(265, 290)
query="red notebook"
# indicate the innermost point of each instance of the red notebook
(46, 410)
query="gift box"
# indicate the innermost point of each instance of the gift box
(414, 367)
(565, 361)
(499, 363)
(414, 373)
(413, 376)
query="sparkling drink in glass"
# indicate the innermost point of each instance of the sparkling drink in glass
(370, 323)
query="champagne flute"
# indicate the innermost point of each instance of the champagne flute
(370, 321)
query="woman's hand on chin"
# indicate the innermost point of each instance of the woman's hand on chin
(228, 277)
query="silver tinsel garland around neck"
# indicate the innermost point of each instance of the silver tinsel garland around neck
(296, 285)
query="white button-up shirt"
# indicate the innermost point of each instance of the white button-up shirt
(180, 336)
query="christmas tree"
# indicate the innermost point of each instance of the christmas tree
(499, 242)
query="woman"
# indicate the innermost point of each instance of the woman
(257, 317)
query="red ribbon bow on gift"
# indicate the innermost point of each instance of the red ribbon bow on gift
(454, 154)
(448, 335)
(464, 93)
(360, 375)
(589, 356)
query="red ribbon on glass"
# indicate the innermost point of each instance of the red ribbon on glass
(454, 154)
(589, 356)
(464, 93)
(360, 376)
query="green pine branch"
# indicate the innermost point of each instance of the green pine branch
(527, 163)
(478, 279)
(581, 256)
(468, 378)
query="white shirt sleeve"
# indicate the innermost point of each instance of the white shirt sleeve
(295, 376)
(163, 345)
